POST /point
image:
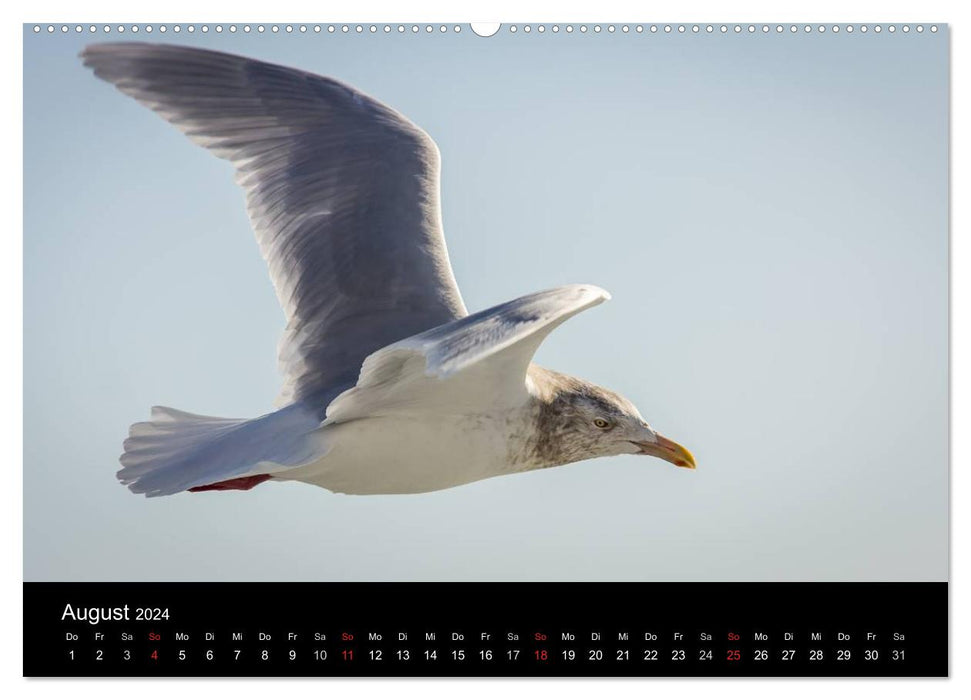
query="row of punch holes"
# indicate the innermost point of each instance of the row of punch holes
(485, 29)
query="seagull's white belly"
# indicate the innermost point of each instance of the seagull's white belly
(411, 454)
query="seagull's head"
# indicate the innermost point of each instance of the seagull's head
(581, 420)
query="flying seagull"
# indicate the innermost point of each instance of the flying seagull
(390, 385)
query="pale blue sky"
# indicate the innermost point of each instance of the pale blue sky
(769, 213)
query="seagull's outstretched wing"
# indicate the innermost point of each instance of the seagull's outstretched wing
(342, 191)
(476, 362)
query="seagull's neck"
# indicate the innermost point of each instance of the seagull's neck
(548, 440)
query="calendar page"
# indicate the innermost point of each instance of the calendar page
(544, 349)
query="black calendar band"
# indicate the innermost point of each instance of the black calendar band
(486, 629)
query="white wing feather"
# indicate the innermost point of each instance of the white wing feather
(477, 362)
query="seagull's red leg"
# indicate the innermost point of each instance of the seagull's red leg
(243, 483)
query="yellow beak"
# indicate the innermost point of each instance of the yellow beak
(669, 451)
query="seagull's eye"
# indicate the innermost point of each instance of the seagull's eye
(601, 423)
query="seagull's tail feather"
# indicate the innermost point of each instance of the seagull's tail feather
(178, 451)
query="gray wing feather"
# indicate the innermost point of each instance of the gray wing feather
(341, 190)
